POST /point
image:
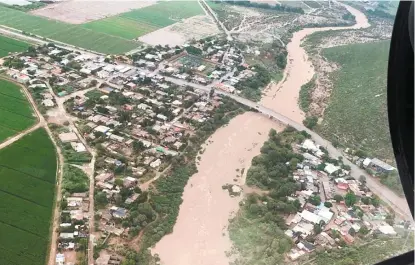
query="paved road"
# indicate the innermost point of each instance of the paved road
(396, 202)
(399, 204)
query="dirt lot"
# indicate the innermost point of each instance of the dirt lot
(196, 27)
(82, 11)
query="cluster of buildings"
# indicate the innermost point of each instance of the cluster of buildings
(331, 223)
(73, 227)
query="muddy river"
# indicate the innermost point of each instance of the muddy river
(283, 97)
(200, 235)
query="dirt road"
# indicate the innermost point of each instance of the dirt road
(43, 124)
(91, 167)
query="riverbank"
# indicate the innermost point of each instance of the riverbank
(200, 234)
(283, 96)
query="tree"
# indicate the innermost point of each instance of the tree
(365, 200)
(101, 199)
(362, 179)
(118, 182)
(317, 229)
(315, 200)
(350, 199)
(338, 198)
(375, 201)
(352, 232)
(363, 230)
(310, 122)
(328, 204)
(93, 83)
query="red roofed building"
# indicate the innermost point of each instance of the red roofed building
(343, 186)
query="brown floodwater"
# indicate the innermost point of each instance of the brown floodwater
(283, 96)
(200, 236)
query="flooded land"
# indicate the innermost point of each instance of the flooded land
(200, 235)
(283, 97)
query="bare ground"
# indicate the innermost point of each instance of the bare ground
(196, 27)
(82, 11)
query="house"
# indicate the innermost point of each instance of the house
(103, 177)
(306, 246)
(68, 137)
(102, 129)
(118, 212)
(330, 168)
(132, 198)
(305, 229)
(380, 166)
(66, 235)
(129, 182)
(60, 259)
(310, 217)
(22, 78)
(78, 147)
(156, 163)
(48, 103)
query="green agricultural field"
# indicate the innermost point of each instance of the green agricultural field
(76, 35)
(8, 45)
(136, 23)
(16, 114)
(28, 175)
(357, 113)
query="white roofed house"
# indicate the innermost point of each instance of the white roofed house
(380, 166)
(330, 168)
(161, 117)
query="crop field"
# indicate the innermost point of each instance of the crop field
(11, 45)
(139, 22)
(15, 111)
(76, 35)
(357, 112)
(27, 174)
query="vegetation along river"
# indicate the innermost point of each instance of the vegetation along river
(200, 235)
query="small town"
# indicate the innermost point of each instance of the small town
(131, 119)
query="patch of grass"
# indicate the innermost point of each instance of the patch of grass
(369, 253)
(76, 35)
(357, 113)
(15, 111)
(257, 240)
(74, 180)
(8, 45)
(28, 175)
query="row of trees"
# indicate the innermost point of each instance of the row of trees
(167, 200)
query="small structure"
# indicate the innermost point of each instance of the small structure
(60, 259)
(380, 166)
(68, 137)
